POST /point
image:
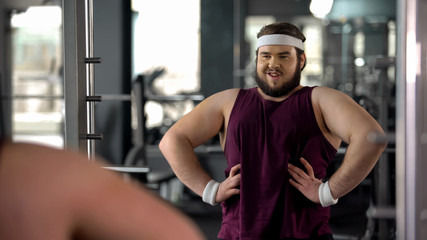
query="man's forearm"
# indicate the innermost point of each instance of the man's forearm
(360, 158)
(184, 162)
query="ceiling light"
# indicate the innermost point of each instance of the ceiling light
(320, 8)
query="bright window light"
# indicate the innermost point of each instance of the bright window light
(38, 17)
(167, 38)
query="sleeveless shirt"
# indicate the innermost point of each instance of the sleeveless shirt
(264, 136)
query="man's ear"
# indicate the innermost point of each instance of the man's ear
(302, 61)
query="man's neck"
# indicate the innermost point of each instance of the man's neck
(278, 99)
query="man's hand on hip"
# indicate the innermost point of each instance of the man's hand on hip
(229, 186)
(306, 183)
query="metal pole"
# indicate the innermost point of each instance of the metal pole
(75, 75)
(90, 76)
(411, 134)
(79, 76)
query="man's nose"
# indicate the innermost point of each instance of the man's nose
(273, 63)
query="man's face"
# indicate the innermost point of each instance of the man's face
(278, 69)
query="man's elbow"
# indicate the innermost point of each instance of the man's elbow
(171, 141)
(379, 139)
(165, 142)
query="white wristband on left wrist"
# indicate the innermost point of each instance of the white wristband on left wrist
(325, 195)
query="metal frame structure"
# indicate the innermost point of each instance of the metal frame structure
(411, 134)
(75, 74)
(79, 82)
(79, 76)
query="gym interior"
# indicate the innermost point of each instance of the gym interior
(109, 77)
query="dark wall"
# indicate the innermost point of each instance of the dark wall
(5, 87)
(216, 45)
(112, 42)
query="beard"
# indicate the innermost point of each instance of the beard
(283, 90)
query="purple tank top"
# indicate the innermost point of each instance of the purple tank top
(264, 136)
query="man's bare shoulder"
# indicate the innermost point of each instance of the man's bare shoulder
(325, 93)
(227, 94)
(224, 98)
(324, 90)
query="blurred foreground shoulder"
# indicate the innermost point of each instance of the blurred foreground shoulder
(78, 198)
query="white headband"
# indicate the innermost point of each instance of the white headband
(280, 39)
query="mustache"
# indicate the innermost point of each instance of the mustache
(268, 70)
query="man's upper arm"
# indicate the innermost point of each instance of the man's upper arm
(343, 116)
(206, 119)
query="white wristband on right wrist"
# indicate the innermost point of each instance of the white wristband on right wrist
(325, 195)
(209, 194)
